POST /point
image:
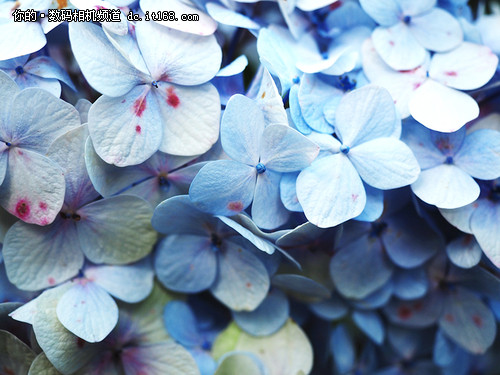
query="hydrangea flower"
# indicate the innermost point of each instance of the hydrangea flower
(478, 218)
(261, 153)
(367, 149)
(430, 91)
(202, 252)
(449, 161)
(407, 29)
(31, 185)
(42, 72)
(155, 91)
(83, 227)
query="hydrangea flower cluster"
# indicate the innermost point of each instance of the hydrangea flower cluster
(221, 187)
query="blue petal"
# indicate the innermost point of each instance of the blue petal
(223, 187)
(241, 129)
(409, 240)
(178, 215)
(242, 282)
(468, 321)
(385, 163)
(288, 192)
(87, 311)
(419, 313)
(446, 186)
(480, 154)
(284, 149)
(410, 284)
(371, 324)
(330, 309)
(360, 268)
(330, 191)
(301, 286)
(464, 251)
(268, 211)
(366, 114)
(186, 263)
(384, 12)
(266, 319)
(342, 348)
(485, 223)
(101, 63)
(181, 324)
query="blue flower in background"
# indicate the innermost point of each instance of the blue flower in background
(202, 252)
(42, 72)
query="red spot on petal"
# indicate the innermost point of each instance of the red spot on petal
(124, 100)
(44, 221)
(449, 318)
(417, 85)
(477, 320)
(444, 144)
(8, 371)
(100, 7)
(335, 5)
(22, 209)
(404, 312)
(235, 206)
(467, 239)
(391, 43)
(80, 342)
(42, 205)
(248, 285)
(138, 129)
(417, 306)
(354, 197)
(139, 106)
(451, 73)
(172, 98)
(51, 281)
(82, 302)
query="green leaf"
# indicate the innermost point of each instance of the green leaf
(42, 366)
(238, 363)
(15, 356)
(287, 351)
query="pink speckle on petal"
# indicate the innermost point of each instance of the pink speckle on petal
(44, 221)
(451, 73)
(248, 285)
(80, 342)
(138, 129)
(139, 106)
(51, 281)
(417, 85)
(42, 205)
(354, 197)
(391, 43)
(335, 5)
(477, 321)
(449, 318)
(124, 100)
(404, 312)
(235, 206)
(172, 98)
(22, 209)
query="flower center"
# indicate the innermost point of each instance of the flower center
(261, 168)
(19, 70)
(407, 19)
(449, 160)
(345, 149)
